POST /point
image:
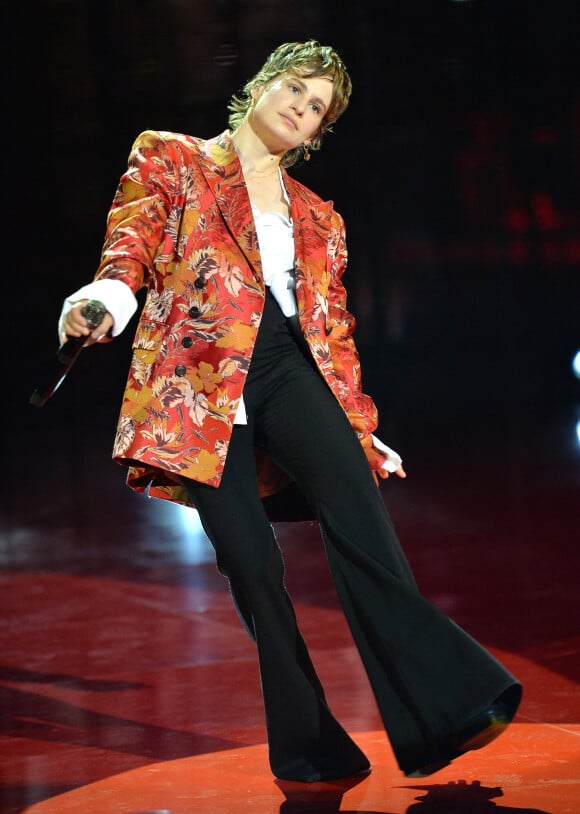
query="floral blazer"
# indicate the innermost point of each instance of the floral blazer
(181, 224)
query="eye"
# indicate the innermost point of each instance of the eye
(294, 88)
(315, 108)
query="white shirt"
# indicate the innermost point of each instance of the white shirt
(276, 241)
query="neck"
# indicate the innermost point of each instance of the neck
(254, 156)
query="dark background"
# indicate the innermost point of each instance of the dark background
(456, 168)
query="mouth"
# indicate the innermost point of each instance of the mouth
(289, 120)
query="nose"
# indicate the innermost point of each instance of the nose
(298, 105)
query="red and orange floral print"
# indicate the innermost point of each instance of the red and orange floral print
(181, 224)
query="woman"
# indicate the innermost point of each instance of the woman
(245, 377)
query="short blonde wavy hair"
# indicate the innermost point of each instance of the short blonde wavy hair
(303, 59)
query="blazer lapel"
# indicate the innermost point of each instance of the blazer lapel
(311, 217)
(223, 172)
(312, 221)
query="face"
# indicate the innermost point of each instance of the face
(290, 110)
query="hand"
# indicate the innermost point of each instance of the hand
(384, 461)
(399, 472)
(387, 460)
(74, 324)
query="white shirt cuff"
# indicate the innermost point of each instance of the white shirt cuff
(115, 295)
(393, 461)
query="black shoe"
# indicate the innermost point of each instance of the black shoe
(475, 734)
(314, 774)
(428, 768)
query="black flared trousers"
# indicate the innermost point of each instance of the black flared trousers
(427, 674)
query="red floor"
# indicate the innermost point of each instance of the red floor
(128, 684)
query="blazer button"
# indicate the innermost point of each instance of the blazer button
(194, 311)
(180, 370)
(200, 283)
(187, 341)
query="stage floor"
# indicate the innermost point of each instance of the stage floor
(128, 684)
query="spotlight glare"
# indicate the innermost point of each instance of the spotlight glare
(576, 365)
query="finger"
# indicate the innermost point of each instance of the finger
(74, 323)
(74, 330)
(101, 330)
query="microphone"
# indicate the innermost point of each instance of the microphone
(94, 312)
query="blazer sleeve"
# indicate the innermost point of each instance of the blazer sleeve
(139, 211)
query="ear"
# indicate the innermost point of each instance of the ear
(258, 88)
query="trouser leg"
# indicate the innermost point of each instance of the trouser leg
(427, 674)
(305, 741)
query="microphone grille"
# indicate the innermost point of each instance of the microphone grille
(94, 312)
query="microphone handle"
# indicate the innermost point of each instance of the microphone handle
(94, 312)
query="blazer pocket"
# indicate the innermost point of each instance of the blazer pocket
(149, 339)
(147, 348)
